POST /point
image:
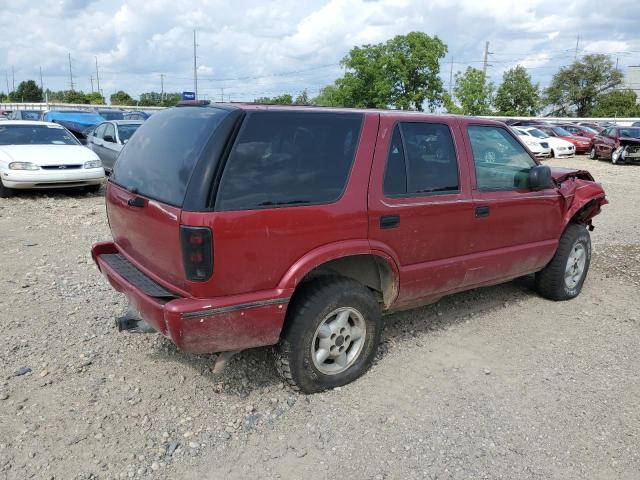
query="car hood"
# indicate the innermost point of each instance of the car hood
(43, 155)
(560, 174)
(630, 140)
(557, 142)
(581, 138)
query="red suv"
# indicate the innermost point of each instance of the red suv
(237, 226)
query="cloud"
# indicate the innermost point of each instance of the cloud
(253, 48)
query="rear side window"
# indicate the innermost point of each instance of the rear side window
(288, 159)
(158, 160)
(422, 160)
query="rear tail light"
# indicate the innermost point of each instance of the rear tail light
(197, 253)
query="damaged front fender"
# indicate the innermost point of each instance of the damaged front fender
(583, 197)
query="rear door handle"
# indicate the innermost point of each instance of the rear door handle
(389, 221)
(482, 211)
(136, 202)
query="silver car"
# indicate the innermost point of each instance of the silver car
(108, 138)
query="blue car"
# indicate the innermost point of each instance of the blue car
(76, 121)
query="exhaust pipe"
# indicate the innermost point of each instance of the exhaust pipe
(132, 322)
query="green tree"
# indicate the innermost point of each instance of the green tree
(329, 96)
(171, 99)
(402, 72)
(27, 91)
(3, 97)
(576, 87)
(617, 103)
(517, 95)
(285, 99)
(303, 98)
(94, 98)
(74, 96)
(473, 92)
(121, 98)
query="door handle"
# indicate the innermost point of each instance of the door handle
(389, 221)
(482, 211)
(136, 202)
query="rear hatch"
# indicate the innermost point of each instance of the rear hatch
(146, 192)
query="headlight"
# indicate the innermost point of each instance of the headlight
(584, 143)
(93, 164)
(23, 166)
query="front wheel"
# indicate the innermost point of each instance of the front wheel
(331, 336)
(564, 275)
(592, 154)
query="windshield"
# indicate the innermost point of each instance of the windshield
(125, 131)
(589, 130)
(632, 132)
(30, 115)
(35, 135)
(561, 131)
(537, 133)
(112, 115)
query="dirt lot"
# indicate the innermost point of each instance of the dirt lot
(493, 383)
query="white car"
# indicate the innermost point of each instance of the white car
(539, 147)
(559, 148)
(45, 155)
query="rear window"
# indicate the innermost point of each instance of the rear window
(289, 159)
(158, 160)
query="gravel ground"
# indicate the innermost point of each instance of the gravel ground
(492, 383)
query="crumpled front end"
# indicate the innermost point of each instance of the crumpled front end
(583, 197)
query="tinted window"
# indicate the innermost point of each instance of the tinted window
(109, 131)
(35, 135)
(30, 115)
(501, 162)
(422, 159)
(632, 132)
(289, 158)
(158, 160)
(561, 132)
(125, 131)
(112, 115)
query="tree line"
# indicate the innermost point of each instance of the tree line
(28, 91)
(404, 73)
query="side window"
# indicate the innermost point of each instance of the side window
(607, 132)
(288, 159)
(422, 159)
(501, 162)
(99, 131)
(110, 131)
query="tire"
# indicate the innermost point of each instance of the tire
(553, 153)
(93, 188)
(592, 154)
(310, 324)
(5, 192)
(552, 282)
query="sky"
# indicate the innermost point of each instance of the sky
(252, 48)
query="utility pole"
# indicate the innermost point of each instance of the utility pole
(575, 57)
(222, 94)
(98, 77)
(13, 79)
(6, 74)
(70, 73)
(616, 63)
(91, 80)
(195, 67)
(451, 76)
(41, 83)
(162, 87)
(486, 58)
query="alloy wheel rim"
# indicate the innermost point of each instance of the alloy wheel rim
(575, 265)
(338, 341)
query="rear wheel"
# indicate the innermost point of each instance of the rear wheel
(564, 275)
(5, 192)
(331, 336)
(592, 154)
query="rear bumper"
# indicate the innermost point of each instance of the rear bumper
(202, 325)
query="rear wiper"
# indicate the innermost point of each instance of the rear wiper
(289, 202)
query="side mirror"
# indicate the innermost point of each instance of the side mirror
(109, 138)
(540, 178)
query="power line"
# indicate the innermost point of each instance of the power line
(70, 73)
